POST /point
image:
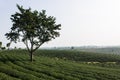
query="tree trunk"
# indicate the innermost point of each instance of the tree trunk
(31, 56)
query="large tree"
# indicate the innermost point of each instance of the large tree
(33, 28)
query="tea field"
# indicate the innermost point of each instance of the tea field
(58, 65)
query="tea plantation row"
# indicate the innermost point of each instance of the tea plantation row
(58, 65)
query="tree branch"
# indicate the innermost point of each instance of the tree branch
(37, 47)
(26, 43)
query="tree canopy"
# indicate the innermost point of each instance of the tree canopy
(33, 28)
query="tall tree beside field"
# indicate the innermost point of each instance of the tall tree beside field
(33, 28)
(1, 47)
(0, 44)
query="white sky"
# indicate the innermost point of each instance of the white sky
(84, 22)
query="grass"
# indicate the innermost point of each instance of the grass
(58, 65)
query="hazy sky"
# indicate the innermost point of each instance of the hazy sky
(84, 22)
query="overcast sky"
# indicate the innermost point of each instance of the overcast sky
(84, 22)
